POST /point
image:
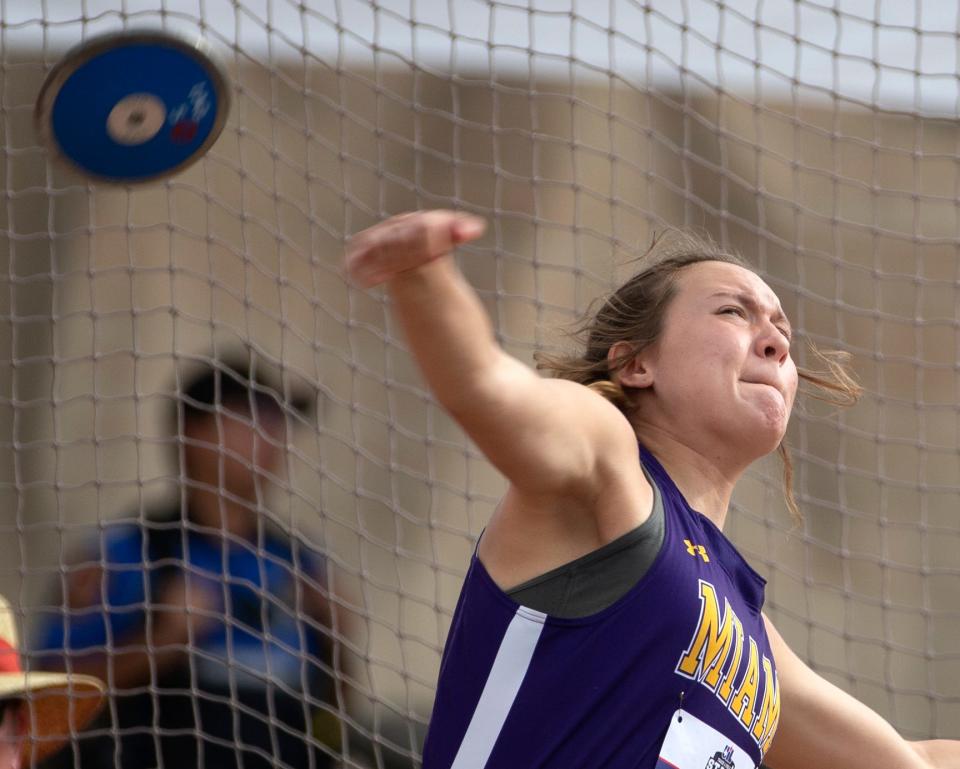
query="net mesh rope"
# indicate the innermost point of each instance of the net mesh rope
(818, 139)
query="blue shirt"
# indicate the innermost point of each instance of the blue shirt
(254, 589)
(243, 696)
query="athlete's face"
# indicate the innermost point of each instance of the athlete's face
(722, 367)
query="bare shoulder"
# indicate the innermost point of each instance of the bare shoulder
(539, 527)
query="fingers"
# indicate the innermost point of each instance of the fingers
(467, 227)
(406, 242)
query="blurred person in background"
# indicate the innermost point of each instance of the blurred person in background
(38, 710)
(211, 625)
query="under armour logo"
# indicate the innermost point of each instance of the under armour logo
(700, 550)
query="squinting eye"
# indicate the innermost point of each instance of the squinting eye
(735, 310)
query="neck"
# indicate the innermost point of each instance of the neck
(706, 479)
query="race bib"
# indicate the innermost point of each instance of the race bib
(692, 744)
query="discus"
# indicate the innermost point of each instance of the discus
(131, 107)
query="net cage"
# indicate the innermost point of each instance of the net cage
(818, 139)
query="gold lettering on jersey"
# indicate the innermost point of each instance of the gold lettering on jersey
(726, 688)
(769, 714)
(742, 703)
(715, 657)
(710, 646)
(773, 720)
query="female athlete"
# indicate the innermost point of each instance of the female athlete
(605, 620)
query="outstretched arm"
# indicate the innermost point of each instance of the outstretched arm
(823, 726)
(544, 435)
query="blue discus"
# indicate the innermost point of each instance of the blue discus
(132, 107)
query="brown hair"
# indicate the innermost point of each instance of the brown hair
(634, 314)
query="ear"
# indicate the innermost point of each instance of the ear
(637, 373)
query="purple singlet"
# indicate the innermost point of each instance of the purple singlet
(519, 688)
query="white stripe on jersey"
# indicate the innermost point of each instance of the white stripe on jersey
(500, 690)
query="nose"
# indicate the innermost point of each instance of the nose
(773, 345)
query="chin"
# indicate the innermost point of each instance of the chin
(764, 422)
(764, 435)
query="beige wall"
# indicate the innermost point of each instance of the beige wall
(850, 215)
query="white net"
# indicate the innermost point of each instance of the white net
(819, 139)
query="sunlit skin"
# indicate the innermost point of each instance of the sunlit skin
(713, 395)
(717, 389)
(12, 729)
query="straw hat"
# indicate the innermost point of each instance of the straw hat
(60, 705)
